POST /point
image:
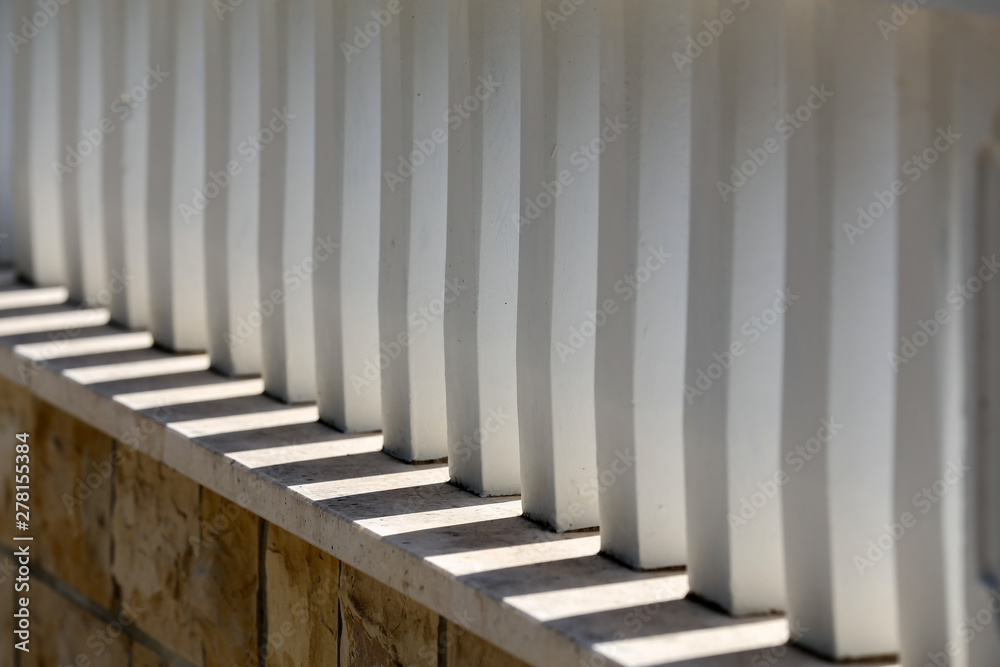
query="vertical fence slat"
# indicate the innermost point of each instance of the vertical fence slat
(287, 244)
(97, 74)
(348, 194)
(929, 465)
(22, 148)
(46, 242)
(736, 301)
(978, 79)
(838, 408)
(177, 177)
(127, 249)
(412, 289)
(480, 322)
(642, 282)
(9, 19)
(557, 285)
(231, 189)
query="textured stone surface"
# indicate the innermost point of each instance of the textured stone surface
(6, 610)
(145, 657)
(71, 490)
(302, 588)
(465, 648)
(156, 515)
(64, 634)
(383, 627)
(224, 582)
(16, 416)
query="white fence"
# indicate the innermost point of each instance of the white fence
(712, 275)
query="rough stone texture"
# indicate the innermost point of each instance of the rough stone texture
(16, 416)
(155, 527)
(383, 627)
(225, 580)
(144, 657)
(71, 490)
(6, 611)
(64, 634)
(302, 588)
(466, 649)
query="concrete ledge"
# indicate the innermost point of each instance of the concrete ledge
(547, 598)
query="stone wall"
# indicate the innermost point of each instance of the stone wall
(134, 564)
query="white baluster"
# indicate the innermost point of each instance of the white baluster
(839, 393)
(127, 247)
(232, 233)
(8, 207)
(736, 303)
(287, 151)
(561, 138)
(412, 288)
(99, 73)
(50, 110)
(480, 323)
(348, 193)
(176, 194)
(642, 285)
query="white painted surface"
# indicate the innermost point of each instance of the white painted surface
(287, 244)
(7, 134)
(838, 334)
(480, 324)
(127, 249)
(642, 283)
(46, 262)
(232, 215)
(557, 284)
(97, 72)
(736, 303)
(412, 289)
(176, 246)
(348, 197)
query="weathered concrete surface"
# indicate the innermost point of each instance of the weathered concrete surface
(224, 581)
(64, 634)
(383, 627)
(71, 491)
(302, 589)
(156, 514)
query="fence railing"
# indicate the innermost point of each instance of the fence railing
(713, 276)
